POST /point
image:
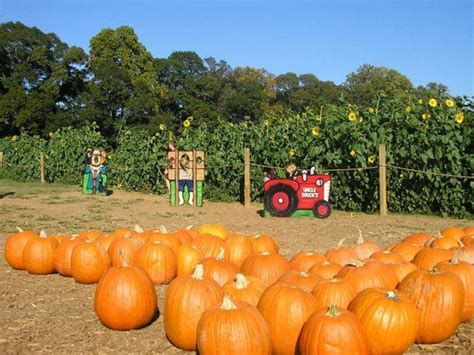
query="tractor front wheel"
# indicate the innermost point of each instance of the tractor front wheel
(322, 209)
(280, 201)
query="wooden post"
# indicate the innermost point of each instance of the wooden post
(176, 177)
(42, 167)
(383, 180)
(1, 159)
(194, 178)
(247, 177)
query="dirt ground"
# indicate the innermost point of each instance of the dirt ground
(54, 314)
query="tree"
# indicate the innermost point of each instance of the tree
(433, 89)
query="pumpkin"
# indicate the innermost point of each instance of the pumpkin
(214, 229)
(417, 239)
(303, 261)
(364, 249)
(325, 270)
(406, 250)
(340, 254)
(186, 299)
(439, 296)
(120, 232)
(187, 258)
(15, 245)
(170, 239)
(238, 248)
(125, 298)
(264, 243)
(453, 232)
(60, 238)
(89, 261)
(91, 235)
(335, 291)
(209, 245)
(245, 289)
(371, 273)
(128, 248)
(233, 328)
(218, 269)
(285, 308)
(38, 254)
(300, 279)
(468, 240)
(465, 252)
(402, 270)
(62, 256)
(389, 317)
(266, 266)
(105, 240)
(465, 272)
(443, 243)
(387, 257)
(468, 231)
(158, 260)
(183, 235)
(331, 331)
(140, 234)
(427, 258)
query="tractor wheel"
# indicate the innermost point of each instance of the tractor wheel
(322, 209)
(280, 201)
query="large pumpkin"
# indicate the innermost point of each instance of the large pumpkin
(335, 291)
(325, 270)
(245, 289)
(209, 245)
(15, 245)
(90, 234)
(340, 254)
(187, 258)
(388, 257)
(389, 317)
(265, 243)
(331, 331)
(402, 270)
(170, 239)
(417, 239)
(124, 250)
(38, 255)
(427, 258)
(303, 261)
(286, 309)
(158, 260)
(233, 328)
(300, 279)
(440, 298)
(365, 248)
(218, 269)
(89, 261)
(214, 229)
(186, 299)
(453, 232)
(62, 256)
(443, 243)
(266, 266)
(125, 298)
(238, 248)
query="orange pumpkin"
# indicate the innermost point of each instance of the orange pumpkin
(234, 328)
(331, 331)
(209, 245)
(140, 234)
(38, 255)
(125, 298)
(417, 239)
(15, 245)
(218, 269)
(440, 298)
(285, 308)
(124, 250)
(183, 235)
(105, 240)
(186, 299)
(406, 250)
(465, 252)
(402, 270)
(187, 258)
(335, 291)
(303, 261)
(89, 261)
(387, 257)
(62, 256)
(340, 254)
(299, 279)
(325, 270)
(453, 232)
(264, 243)
(159, 261)
(214, 229)
(91, 234)
(364, 249)
(266, 266)
(389, 317)
(238, 248)
(443, 243)
(427, 258)
(469, 231)
(245, 289)
(172, 240)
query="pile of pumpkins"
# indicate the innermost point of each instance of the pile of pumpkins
(235, 294)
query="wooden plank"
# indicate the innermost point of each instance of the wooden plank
(247, 177)
(194, 178)
(42, 167)
(383, 180)
(176, 176)
(1, 159)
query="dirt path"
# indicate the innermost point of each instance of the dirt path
(56, 314)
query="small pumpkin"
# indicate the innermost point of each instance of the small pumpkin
(453, 232)
(365, 248)
(402, 270)
(427, 258)
(439, 296)
(140, 234)
(238, 248)
(209, 245)
(234, 328)
(218, 269)
(216, 230)
(266, 266)
(325, 270)
(443, 243)
(340, 254)
(128, 248)
(389, 317)
(300, 279)
(406, 250)
(264, 243)
(464, 252)
(15, 245)
(468, 231)
(387, 257)
(38, 254)
(187, 258)
(62, 256)
(334, 291)
(170, 239)
(186, 299)
(89, 261)
(417, 239)
(331, 331)
(245, 289)
(90, 234)
(158, 260)
(303, 261)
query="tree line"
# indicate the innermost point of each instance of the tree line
(45, 84)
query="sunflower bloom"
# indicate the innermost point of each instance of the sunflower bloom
(266, 122)
(433, 102)
(371, 159)
(459, 117)
(186, 123)
(426, 116)
(352, 116)
(315, 132)
(353, 153)
(13, 139)
(449, 103)
(50, 134)
(162, 127)
(408, 109)
(420, 101)
(371, 110)
(318, 118)
(291, 152)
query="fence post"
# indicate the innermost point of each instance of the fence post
(1, 159)
(42, 167)
(194, 179)
(383, 180)
(176, 177)
(246, 177)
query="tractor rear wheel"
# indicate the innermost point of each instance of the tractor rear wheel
(280, 201)
(322, 209)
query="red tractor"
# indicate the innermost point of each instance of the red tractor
(283, 197)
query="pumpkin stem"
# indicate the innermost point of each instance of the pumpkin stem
(333, 312)
(43, 234)
(241, 281)
(455, 259)
(334, 280)
(303, 274)
(355, 262)
(163, 229)
(339, 244)
(309, 253)
(198, 272)
(429, 241)
(138, 228)
(128, 235)
(360, 240)
(188, 227)
(460, 243)
(391, 295)
(124, 262)
(326, 263)
(265, 253)
(228, 304)
(221, 254)
(19, 229)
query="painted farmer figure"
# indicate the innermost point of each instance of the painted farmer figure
(185, 179)
(94, 179)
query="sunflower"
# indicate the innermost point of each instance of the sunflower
(13, 139)
(50, 134)
(433, 102)
(315, 131)
(459, 117)
(408, 109)
(449, 103)
(353, 153)
(318, 118)
(291, 152)
(371, 110)
(426, 116)
(352, 116)
(420, 101)
(162, 127)
(266, 122)
(371, 159)
(186, 123)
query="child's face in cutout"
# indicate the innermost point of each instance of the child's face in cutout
(172, 146)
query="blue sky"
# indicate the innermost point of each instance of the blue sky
(427, 40)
